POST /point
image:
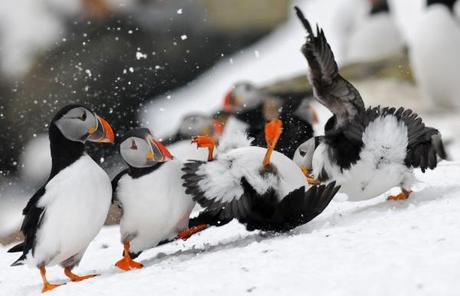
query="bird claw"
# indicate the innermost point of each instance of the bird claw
(402, 196)
(127, 264)
(186, 234)
(48, 287)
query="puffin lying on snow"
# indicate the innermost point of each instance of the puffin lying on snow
(260, 187)
(251, 107)
(366, 151)
(64, 216)
(155, 206)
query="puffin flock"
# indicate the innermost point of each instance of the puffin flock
(264, 167)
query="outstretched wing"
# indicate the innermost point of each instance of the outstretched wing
(32, 218)
(424, 143)
(329, 88)
(297, 208)
(238, 199)
(214, 186)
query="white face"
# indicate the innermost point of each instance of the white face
(246, 96)
(76, 124)
(196, 125)
(136, 152)
(303, 156)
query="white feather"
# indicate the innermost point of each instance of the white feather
(381, 161)
(155, 206)
(224, 174)
(76, 203)
(234, 135)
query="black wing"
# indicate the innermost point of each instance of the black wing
(424, 143)
(297, 208)
(256, 211)
(330, 89)
(32, 219)
(115, 183)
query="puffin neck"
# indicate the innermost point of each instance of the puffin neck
(139, 172)
(63, 151)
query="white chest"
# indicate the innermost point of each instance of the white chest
(76, 203)
(155, 206)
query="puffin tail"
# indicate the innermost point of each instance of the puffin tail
(17, 248)
(20, 261)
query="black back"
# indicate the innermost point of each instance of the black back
(63, 153)
(380, 6)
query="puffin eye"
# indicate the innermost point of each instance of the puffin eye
(133, 145)
(302, 153)
(83, 116)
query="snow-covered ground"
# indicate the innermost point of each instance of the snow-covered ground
(374, 247)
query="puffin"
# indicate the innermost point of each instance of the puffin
(434, 46)
(68, 211)
(250, 107)
(374, 35)
(193, 124)
(263, 189)
(155, 207)
(365, 150)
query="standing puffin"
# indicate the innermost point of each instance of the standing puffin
(251, 107)
(367, 151)
(154, 204)
(260, 187)
(434, 54)
(64, 215)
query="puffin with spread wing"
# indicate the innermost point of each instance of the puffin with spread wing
(366, 151)
(262, 188)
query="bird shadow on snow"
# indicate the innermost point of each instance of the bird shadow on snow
(353, 215)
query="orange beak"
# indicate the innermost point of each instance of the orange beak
(103, 133)
(273, 131)
(228, 101)
(218, 128)
(166, 154)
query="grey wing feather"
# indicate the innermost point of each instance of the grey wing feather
(330, 89)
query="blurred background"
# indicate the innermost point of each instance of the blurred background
(152, 62)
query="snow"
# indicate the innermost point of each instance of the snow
(275, 57)
(374, 247)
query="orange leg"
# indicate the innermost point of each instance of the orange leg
(205, 142)
(46, 285)
(402, 196)
(76, 278)
(126, 263)
(185, 234)
(272, 134)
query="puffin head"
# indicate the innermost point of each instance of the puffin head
(199, 125)
(303, 156)
(79, 124)
(140, 149)
(242, 96)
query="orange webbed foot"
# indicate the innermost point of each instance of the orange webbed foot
(205, 142)
(402, 196)
(48, 287)
(273, 132)
(185, 234)
(126, 264)
(76, 278)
